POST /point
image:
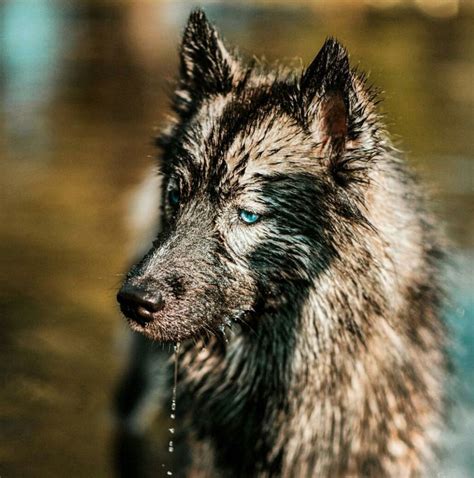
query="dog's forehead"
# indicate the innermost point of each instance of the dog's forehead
(232, 139)
(275, 145)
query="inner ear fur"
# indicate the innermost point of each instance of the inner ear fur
(333, 118)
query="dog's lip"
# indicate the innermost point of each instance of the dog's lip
(159, 334)
(160, 327)
(161, 330)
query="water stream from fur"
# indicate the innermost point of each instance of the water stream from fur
(172, 429)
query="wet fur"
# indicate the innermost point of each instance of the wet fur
(333, 361)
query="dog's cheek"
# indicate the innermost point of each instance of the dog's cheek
(242, 239)
(257, 261)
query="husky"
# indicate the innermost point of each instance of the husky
(297, 265)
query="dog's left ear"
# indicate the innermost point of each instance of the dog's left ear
(325, 86)
(206, 66)
(337, 109)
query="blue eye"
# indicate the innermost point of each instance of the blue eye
(248, 217)
(174, 196)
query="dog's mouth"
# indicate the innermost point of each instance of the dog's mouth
(159, 325)
(149, 315)
(163, 328)
(164, 314)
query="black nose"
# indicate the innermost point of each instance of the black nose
(138, 304)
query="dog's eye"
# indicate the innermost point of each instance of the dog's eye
(174, 196)
(248, 217)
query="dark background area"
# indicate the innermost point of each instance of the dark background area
(83, 84)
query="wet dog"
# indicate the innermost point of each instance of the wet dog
(297, 265)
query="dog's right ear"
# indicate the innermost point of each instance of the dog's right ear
(206, 67)
(325, 85)
(340, 112)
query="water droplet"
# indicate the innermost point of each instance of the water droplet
(222, 329)
(173, 399)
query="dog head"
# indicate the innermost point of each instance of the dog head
(264, 172)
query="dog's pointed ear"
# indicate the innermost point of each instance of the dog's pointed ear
(339, 111)
(206, 66)
(325, 86)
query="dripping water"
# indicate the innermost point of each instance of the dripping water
(227, 324)
(222, 330)
(173, 403)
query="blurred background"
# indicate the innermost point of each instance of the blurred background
(83, 84)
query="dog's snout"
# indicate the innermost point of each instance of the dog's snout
(139, 304)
